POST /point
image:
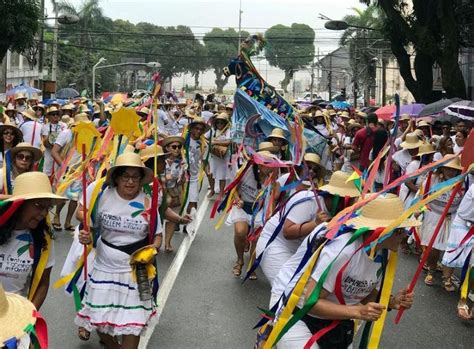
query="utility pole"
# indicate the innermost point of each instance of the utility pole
(330, 77)
(384, 80)
(54, 64)
(240, 27)
(312, 80)
(41, 44)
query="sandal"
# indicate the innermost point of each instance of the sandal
(169, 249)
(237, 269)
(210, 195)
(83, 334)
(448, 285)
(56, 223)
(463, 312)
(253, 276)
(429, 279)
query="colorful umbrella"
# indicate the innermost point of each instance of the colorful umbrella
(23, 89)
(411, 109)
(461, 109)
(437, 107)
(67, 93)
(340, 104)
(386, 112)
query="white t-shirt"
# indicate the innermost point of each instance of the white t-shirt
(16, 262)
(163, 119)
(248, 186)
(301, 213)
(284, 282)
(402, 158)
(52, 132)
(361, 276)
(405, 194)
(207, 115)
(121, 222)
(63, 139)
(194, 158)
(32, 133)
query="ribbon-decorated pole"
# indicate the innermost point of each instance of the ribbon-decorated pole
(86, 134)
(393, 136)
(155, 189)
(467, 159)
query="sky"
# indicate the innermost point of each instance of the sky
(258, 15)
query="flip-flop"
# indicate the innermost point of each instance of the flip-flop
(253, 276)
(169, 249)
(69, 227)
(465, 308)
(237, 269)
(57, 226)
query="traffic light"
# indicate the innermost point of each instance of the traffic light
(343, 92)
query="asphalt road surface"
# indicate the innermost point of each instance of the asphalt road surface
(208, 308)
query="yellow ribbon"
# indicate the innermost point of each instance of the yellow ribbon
(40, 267)
(384, 300)
(293, 300)
(465, 284)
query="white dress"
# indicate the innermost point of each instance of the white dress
(456, 255)
(220, 167)
(111, 303)
(432, 216)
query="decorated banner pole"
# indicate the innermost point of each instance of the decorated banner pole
(466, 160)
(84, 206)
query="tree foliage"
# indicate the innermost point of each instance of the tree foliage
(436, 30)
(21, 20)
(221, 45)
(289, 48)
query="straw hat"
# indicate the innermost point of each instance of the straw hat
(354, 124)
(337, 185)
(268, 146)
(30, 114)
(404, 117)
(229, 106)
(332, 112)
(411, 141)
(39, 106)
(423, 123)
(191, 113)
(16, 313)
(25, 146)
(362, 114)
(277, 133)
(267, 154)
(10, 107)
(81, 117)
(172, 139)
(34, 185)
(425, 149)
(52, 110)
(20, 95)
(312, 157)
(11, 126)
(345, 115)
(151, 151)
(222, 116)
(199, 120)
(381, 212)
(454, 163)
(68, 106)
(67, 120)
(130, 160)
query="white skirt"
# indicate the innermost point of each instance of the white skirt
(219, 167)
(459, 229)
(239, 215)
(430, 220)
(112, 305)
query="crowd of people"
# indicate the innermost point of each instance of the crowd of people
(282, 197)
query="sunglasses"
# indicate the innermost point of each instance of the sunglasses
(174, 146)
(54, 114)
(126, 178)
(24, 157)
(8, 133)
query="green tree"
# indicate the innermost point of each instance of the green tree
(21, 20)
(289, 48)
(436, 31)
(221, 46)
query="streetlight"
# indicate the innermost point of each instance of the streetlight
(343, 25)
(101, 60)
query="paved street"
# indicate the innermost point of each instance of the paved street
(208, 308)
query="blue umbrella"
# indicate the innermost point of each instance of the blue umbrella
(411, 109)
(28, 90)
(340, 104)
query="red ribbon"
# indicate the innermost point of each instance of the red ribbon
(320, 333)
(41, 329)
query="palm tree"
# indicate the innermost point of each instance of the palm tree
(90, 16)
(364, 45)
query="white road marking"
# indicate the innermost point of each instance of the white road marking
(168, 281)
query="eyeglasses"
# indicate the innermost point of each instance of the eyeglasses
(135, 178)
(174, 146)
(24, 157)
(8, 133)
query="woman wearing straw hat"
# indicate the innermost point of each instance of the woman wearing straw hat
(301, 213)
(122, 217)
(403, 157)
(360, 279)
(31, 128)
(411, 187)
(10, 137)
(196, 150)
(350, 160)
(431, 218)
(220, 154)
(49, 133)
(23, 157)
(242, 215)
(174, 181)
(25, 239)
(277, 137)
